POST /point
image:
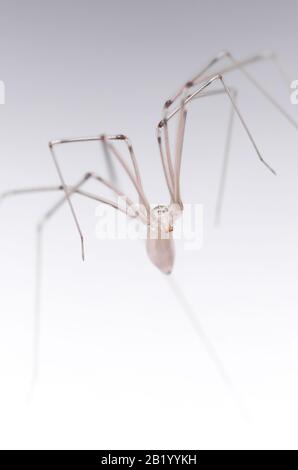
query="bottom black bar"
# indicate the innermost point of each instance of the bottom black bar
(137, 458)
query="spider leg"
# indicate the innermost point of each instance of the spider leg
(166, 161)
(163, 125)
(135, 176)
(181, 109)
(39, 251)
(110, 164)
(82, 181)
(76, 189)
(202, 75)
(226, 155)
(16, 192)
(162, 128)
(262, 90)
(224, 171)
(197, 80)
(223, 177)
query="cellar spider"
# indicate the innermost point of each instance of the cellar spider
(161, 218)
(160, 248)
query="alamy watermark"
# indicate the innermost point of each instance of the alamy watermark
(294, 94)
(160, 222)
(2, 92)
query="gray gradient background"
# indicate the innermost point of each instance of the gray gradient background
(121, 365)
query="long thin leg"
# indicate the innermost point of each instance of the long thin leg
(207, 343)
(110, 164)
(235, 65)
(224, 171)
(39, 237)
(39, 253)
(199, 329)
(178, 153)
(263, 90)
(202, 76)
(166, 160)
(73, 189)
(226, 155)
(37, 306)
(76, 221)
(162, 127)
(96, 177)
(219, 77)
(22, 191)
(135, 178)
(191, 97)
(223, 177)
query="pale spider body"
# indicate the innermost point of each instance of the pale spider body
(160, 244)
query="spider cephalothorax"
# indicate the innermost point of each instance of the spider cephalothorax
(161, 218)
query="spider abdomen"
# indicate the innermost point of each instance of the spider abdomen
(161, 252)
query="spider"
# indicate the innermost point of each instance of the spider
(161, 218)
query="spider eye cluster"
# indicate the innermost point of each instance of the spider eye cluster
(161, 217)
(160, 210)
